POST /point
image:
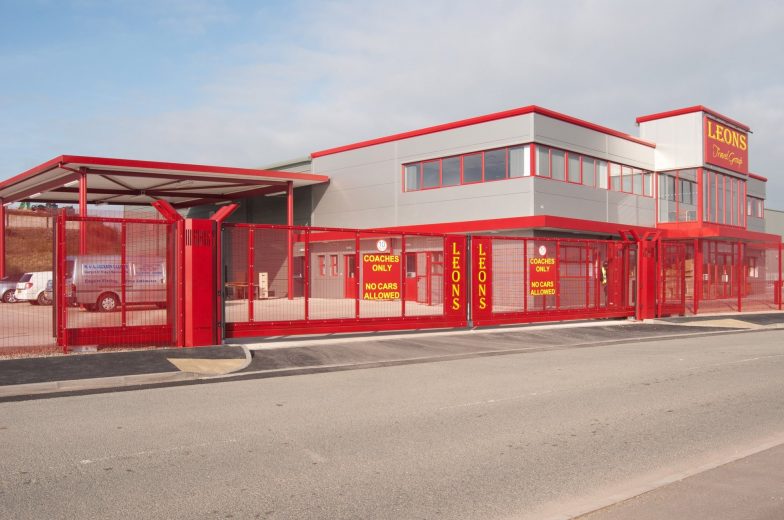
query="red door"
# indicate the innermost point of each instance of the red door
(350, 276)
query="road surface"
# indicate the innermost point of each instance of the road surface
(537, 435)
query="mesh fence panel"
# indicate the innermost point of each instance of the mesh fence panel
(118, 279)
(761, 277)
(26, 317)
(523, 284)
(423, 266)
(334, 274)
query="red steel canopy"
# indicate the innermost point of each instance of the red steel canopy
(132, 182)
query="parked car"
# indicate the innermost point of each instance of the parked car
(7, 288)
(32, 288)
(49, 292)
(95, 281)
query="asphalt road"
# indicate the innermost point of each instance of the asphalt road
(533, 435)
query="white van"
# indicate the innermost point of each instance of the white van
(32, 288)
(94, 281)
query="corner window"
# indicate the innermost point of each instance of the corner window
(542, 161)
(519, 161)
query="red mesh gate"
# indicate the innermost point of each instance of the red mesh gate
(114, 281)
(672, 287)
(519, 280)
(292, 280)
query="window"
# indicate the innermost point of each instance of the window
(431, 174)
(450, 171)
(626, 176)
(574, 168)
(637, 181)
(516, 161)
(472, 168)
(589, 171)
(647, 184)
(755, 207)
(520, 161)
(322, 265)
(495, 165)
(615, 177)
(333, 265)
(542, 161)
(601, 171)
(412, 177)
(558, 164)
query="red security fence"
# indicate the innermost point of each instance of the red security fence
(114, 281)
(519, 280)
(288, 280)
(125, 281)
(733, 276)
(26, 317)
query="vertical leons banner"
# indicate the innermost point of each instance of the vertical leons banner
(454, 280)
(482, 277)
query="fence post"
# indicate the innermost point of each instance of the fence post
(2, 238)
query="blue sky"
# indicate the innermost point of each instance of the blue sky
(249, 83)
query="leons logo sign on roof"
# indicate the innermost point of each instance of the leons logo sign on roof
(726, 146)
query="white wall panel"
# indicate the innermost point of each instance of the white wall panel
(679, 141)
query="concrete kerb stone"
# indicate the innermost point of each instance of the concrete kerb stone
(97, 383)
(274, 343)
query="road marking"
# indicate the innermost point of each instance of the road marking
(156, 452)
(493, 401)
(747, 360)
(315, 457)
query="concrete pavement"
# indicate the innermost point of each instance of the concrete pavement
(751, 488)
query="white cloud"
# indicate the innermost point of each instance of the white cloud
(338, 72)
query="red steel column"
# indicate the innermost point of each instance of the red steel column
(781, 281)
(2, 239)
(740, 272)
(697, 270)
(82, 212)
(290, 223)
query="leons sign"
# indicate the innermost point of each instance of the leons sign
(726, 147)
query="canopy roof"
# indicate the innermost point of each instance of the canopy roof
(133, 182)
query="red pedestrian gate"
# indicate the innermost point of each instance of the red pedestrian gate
(671, 284)
(114, 281)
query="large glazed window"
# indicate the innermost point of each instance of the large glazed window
(678, 196)
(523, 161)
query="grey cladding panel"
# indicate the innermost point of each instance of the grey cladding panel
(492, 134)
(756, 188)
(565, 135)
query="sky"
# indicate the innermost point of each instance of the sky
(249, 83)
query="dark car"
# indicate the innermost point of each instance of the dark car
(7, 288)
